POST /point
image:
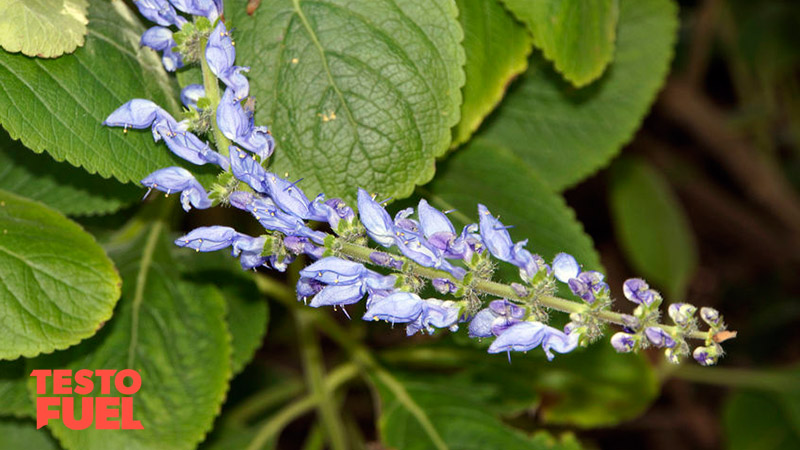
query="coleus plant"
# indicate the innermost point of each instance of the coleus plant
(416, 268)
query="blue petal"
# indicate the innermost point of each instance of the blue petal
(157, 38)
(206, 8)
(345, 294)
(433, 221)
(375, 219)
(208, 239)
(191, 94)
(245, 168)
(220, 52)
(160, 12)
(521, 337)
(565, 267)
(288, 196)
(331, 270)
(495, 236)
(137, 113)
(397, 307)
(481, 325)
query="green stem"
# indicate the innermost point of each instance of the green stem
(733, 377)
(313, 366)
(361, 356)
(492, 288)
(211, 86)
(271, 427)
(263, 400)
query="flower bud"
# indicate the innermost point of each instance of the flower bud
(682, 313)
(707, 356)
(711, 316)
(443, 285)
(658, 337)
(623, 342)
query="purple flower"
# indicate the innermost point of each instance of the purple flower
(587, 284)
(565, 267)
(399, 307)
(435, 314)
(302, 245)
(638, 291)
(308, 287)
(221, 55)
(160, 39)
(191, 94)
(346, 281)
(238, 125)
(333, 211)
(206, 8)
(178, 179)
(481, 324)
(658, 337)
(160, 12)
(246, 168)
(139, 113)
(290, 198)
(272, 218)
(375, 219)
(496, 238)
(623, 342)
(707, 356)
(525, 336)
(494, 320)
(209, 239)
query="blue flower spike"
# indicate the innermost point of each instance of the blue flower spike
(414, 250)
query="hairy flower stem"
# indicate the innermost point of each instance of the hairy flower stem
(500, 290)
(211, 86)
(313, 366)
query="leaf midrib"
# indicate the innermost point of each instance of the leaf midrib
(141, 281)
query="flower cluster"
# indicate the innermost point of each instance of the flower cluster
(416, 247)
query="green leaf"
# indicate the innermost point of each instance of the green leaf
(357, 93)
(56, 283)
(23, 435)
(172, 332)
(497, 49)
(761, 420)
(514, 192)
(61, 186)
(423, 412)
(652, 226)
(58, 105)
(43, 28)
(248, 312)
(567, 134)
(13, 379)
(577, 35)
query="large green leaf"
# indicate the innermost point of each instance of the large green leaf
(14, 394)
(488, 173)
(23, 435)
(61, 186)
(58, 105)
(497, 48)
(764, 420)
(577, 35)
(567, 134)
(173, 333)
(56, 284)
(652, 227)
(248, 311)
(357, 93)
(423, 412)
(44, 28)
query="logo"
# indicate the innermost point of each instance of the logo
(107, 412)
